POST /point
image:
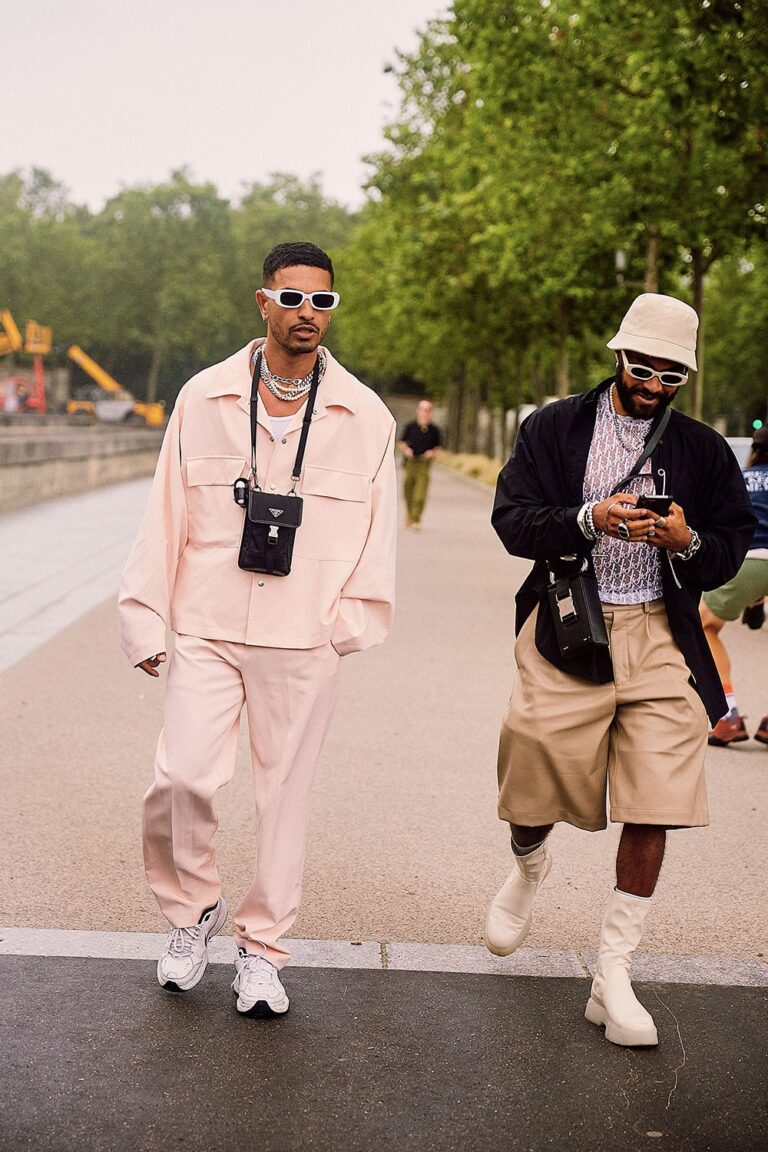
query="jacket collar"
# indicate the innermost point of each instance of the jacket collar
(580, 437)
(232, 377)
(591, 396)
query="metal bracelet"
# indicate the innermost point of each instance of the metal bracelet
(689, 552)
(589, 517)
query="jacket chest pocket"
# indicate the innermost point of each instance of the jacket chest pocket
(337, 513)
(214, 518)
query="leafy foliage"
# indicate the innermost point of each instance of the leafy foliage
(549, 160)
(158, 283)
(537, 140)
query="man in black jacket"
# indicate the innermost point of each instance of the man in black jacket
(629, 717)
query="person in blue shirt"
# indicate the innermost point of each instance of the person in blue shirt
(743, 593)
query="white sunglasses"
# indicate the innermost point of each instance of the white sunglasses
(643, 372)
(292, 298)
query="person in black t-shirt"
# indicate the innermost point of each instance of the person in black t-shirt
(419, 444)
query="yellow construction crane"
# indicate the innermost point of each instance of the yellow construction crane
(10, 337)
(121, 404)
(37, 344)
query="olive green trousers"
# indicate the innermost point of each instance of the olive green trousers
(415, 487)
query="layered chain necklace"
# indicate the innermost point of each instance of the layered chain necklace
(287, 387)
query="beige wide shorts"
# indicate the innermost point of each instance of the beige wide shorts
(643, 737)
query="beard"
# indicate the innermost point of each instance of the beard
(627, 398)
(295, 343)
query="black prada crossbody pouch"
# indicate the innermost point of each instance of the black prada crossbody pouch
(271, 519)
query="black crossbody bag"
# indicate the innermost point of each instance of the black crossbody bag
(573, 595)
(271, 520)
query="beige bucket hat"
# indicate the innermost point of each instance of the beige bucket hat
(659, 326)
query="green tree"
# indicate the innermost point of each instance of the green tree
(737, 302)
(166, 260)
(535, 139)
(45, 246)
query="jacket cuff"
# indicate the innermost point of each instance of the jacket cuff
(142, 649)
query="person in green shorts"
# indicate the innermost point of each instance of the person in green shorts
(745, 591)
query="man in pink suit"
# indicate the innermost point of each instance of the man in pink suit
(243, 636)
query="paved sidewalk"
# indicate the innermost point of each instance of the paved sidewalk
(404, 1031)
(404, 844)
(61, 559)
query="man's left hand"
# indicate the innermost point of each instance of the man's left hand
(670, 531)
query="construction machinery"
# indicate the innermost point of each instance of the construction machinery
(104, 400)
(24, 392)
(109, 401)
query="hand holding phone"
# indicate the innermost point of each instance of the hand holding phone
(659, 505)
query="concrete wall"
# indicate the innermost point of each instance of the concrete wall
(39, 463)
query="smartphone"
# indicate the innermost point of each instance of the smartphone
(658, 504)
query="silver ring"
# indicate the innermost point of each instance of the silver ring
(661, 522)
(623, 531)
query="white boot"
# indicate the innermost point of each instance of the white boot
(612, 1002)
(511, 911)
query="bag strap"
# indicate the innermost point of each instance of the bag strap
(648, 448)
(296, 473)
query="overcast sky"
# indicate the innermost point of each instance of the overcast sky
(105, 93)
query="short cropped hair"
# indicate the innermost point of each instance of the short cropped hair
(293, 253)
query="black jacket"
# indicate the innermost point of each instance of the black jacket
(540, 492)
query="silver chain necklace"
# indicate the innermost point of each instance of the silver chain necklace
(617, 424)
(287, 387)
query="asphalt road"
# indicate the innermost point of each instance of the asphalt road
(97, 1059)
(404, 842)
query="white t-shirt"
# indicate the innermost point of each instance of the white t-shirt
(279, 425)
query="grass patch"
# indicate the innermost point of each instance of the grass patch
(479, 467)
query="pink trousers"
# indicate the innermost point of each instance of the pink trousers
(290, 695)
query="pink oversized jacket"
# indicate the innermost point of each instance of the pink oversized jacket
(182, 570)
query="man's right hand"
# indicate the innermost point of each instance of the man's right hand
(150, 665)
(620, 509)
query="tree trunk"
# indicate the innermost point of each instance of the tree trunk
(697, 381)
(453, 414)
(651, 283)
(469, 418)
(154, 374)
(563, 367)
(498, 432)
(537, 379)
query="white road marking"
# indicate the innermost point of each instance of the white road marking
(734, 971)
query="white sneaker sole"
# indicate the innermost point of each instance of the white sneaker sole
(260, 1008)
(196, 975)
(625, 1037)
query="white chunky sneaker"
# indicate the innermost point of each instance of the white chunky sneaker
(258, 987)
(612, 1001)
(185, 958)
(511, 911)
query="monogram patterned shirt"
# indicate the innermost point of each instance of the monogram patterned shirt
(626, 573)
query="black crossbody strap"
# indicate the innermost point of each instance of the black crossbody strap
(296, 473)
(254, 414)
(308, 412)
(650, 445)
